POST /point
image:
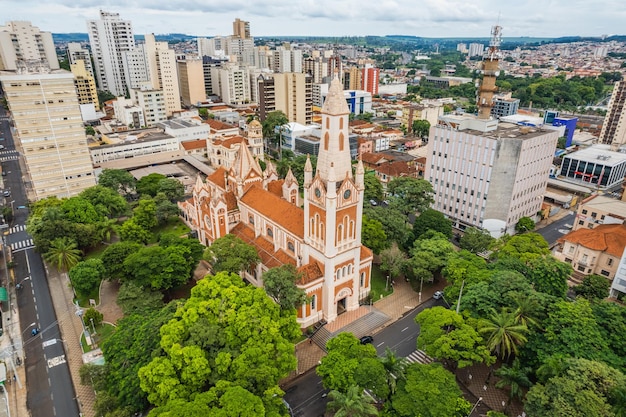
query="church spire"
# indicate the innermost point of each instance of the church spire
(334, 147)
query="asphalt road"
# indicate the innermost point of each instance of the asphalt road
(307, 396)
(552, 232)
(50, 390)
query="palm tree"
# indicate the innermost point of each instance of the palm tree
(527, 310)
(63, 254)
(106, 228)
(504, 334)
(351, 404)
(515, 378)
(395, 367)
(553, 366)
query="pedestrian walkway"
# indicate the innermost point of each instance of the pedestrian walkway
(22, 245)
(18, 228)
(419, 356)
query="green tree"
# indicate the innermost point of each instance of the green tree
(410, 195)
(80, 210)
(133, 345)
(515, 378)
(504, 333)
(421, 128)
(549, 275)
(373, 187)
(173, 189)
(105, 201)
(395, 368)
(393, 221)
(165, 209)
(63, 254)
(345, 355)
(86, 276)
(523, 247)
(133, 298)
(273, 119)
(149, 184)
(226, 331)
(373, 235)
(231, 254)
(525, 224)
(431, 219)
(159, 268)
(429, 391)
(393, 261)
(446, 336)
(92, 317)
(105, 229)
(593, 287)
(611, 320)
(104, 96)
(114, 256)
(618, 400)
(145, 214)
(475, 240)
(280, 284)
(130, 231)
(428, 256)
(118, 180)
(354, 403)
(581, 390)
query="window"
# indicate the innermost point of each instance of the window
(609, 262)
(581, 222)
(290, 247)
(362, 282)
(605, 273)
(314, 302)
(584, 211)
(270, 232)
(251, 220)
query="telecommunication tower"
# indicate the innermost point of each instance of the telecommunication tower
(490, 71)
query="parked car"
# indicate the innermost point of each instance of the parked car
(366, 339)
(7, 193)
(373, 202)
(437, 295)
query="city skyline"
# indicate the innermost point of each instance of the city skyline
(429, 18)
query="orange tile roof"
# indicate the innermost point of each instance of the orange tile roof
(366, 253)
(217, 177)
(231, 200)
(264, 248)
(276, 209)
(372, 158)
(608, 238)
(276, 187)
(194, 144)
(310, 272)
(229, 141)
(217, 125)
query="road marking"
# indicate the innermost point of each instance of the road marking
(49, 342)
(406, 328)
(380, 344)
(56, 361)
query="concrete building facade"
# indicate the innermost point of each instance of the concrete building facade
(488, 175)
(110, 37)
(49, 132)
(291, 93)
(163, 72)
(614, 127)
(191, 81)
(85, 84)
(21, 41)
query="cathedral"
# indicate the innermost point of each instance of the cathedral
(319, 232)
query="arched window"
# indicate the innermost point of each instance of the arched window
(351, 229)
(327, 122)
(326, 140)
(270, 232)
(290, 247)
(341, 123)
(251, 220)
(338, 274)
(339, 233)
(343, 271)
(362, 283)
(313, 302)
(341, 141)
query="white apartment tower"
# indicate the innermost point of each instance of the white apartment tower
(233, 84)
(614, 126)
(49, 131)
(110, 37)
(21, 41)
(163, 72)
(488, 175)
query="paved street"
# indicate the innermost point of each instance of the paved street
(50, 389)
(558, 226)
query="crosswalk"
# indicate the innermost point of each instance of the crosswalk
(9, 155)
(18, 228)
(419, 356)
(22, 245)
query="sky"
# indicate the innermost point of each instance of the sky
(425, 18)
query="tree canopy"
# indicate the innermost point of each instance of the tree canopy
(231, 254)
(280, 284)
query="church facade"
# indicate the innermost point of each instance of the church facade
(319, 232)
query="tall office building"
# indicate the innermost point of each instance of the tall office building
(476, 49)
(488, 175)
(76, 52)
(352, 79)
(49, 131)
(291, 93)
(136, 68)
(21, 41)
(191, 81)
(209, 66)
(241, 29)
(233, 83)
(369, 79)
(110, 37)
(85, 84)
(213, 47)
(163, 72)
(614, 126)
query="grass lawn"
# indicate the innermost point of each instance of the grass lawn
(83, 299)
(174, 225)
(102, 333)
(96, 252)
(379, 280)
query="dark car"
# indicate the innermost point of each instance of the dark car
(366, 339)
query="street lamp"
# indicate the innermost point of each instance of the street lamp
(18, 286)
(387, 284)
(475, 405)
(28, 327)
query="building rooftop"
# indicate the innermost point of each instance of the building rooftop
(176, 124)
(606, 204)
(599, 153)
(490, 127)
(129, 137)
(608, 238)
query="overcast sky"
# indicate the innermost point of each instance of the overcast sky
(427, 18)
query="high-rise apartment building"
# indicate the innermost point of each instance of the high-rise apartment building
(136, 68)
(291, 93)
(152, 101)
(352, 79)
(76, 52)
(241, 29)
(369, 79)
(233, 83)
(191, 81)
(85, 84)
(210, 66)
(476, 49)
(110, 37)
(213, 47)
(163, 72)
(21, 41)
(49, 131)
(488, 175)
(614, 126)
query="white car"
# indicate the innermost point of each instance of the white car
(438, 295)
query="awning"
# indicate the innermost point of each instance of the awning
(3, 294)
